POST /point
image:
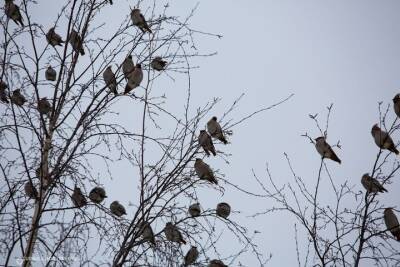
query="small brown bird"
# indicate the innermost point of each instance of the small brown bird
(371, 184)
(53, 38)
(110, 80)
(139, 20)
(191, 256)
(50, 74)
(215, 130)
(216, 263)
(117, 209)
(12, 11)
(128, 66)
(134, 79)
(76, 42)
(147, 233)
(173, 234)
(392, 223)
(325, 150)
(17, 98)
(97, 194)
(158, 64)
(44, 106)
(194, 210)
(396, 105)
(223, 210)
(78, 198)
(204, 171)
(3, 92)
(205, 141)
(383, 140)
(30, 190)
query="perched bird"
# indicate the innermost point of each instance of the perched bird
(50, 74)
(371, 184)
(139, 21)
(30, 190)
(215, 130)
(396, 105)
(147, 233)
(117, 209)
(223, 210)
(392, 223)
(216, 263)
(128, 66)
(191, 256)
(110, 80)
(97, 194)
(173, 234)
(158, 63)
(206, 143)
(383, 140)
(53, 38)
(134, 79)
(17, 98)
(76, 42)
(3, 92)
(194, 210)
(12, 11)
(204, 171)
(43, 106)
(325, 150)
(78, 198)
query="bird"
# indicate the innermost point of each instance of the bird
(383, 140)
(216, 263)
(371, 184)
(3, 92)
(12, 11)
(215, 130)
(205, 141)
(53, 38)
(147, 233)
(325, 150)
(396, 105)
(158, 63)
(76, 42)
(134, 79)
(191, 256)
(30, 190)
(17, 98)
(204, 171)
(43, 106)
(128, 66)
(392, 223)
(139, 20)
(223, 210)
(97, 194)
(194, 210)
(110, 80)
(117, 209)
(50, 74)
(173, 234)
(78, 198)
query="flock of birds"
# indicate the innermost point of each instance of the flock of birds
(384, 141)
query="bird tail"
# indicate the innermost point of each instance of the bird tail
(127, 89)
(213, 152)
(82, 52)
(223, 140)
(394, 150)
(183, 241)
(207, 152)
(336, 158)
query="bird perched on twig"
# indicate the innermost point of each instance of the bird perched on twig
(139, 20)
(128, 66)
(117, 209)
(44, 106)
(223, 210)
(194, 210)
(383, 140)
(12, 11)
(147, 233)
(173, 234)
(392, 223)
(215, 130)
(216, 263)
(3, 92)
(53, 38)
(205, 141)
(50, 74)
(17, 98)
(76, 42)
(191, 256)
(396, 105)
(371, 184)
(325, 150)
(204, 171)
(158, 64)
(134, 79)
(110, 80)
(97, 194)
(78, 198)
(30, 190)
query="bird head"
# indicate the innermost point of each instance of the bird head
(375, 128)
(130, 56)
(214, 118)
(396, 98)
(198, 159)
(168, 224)
(138, 66)
(319, 138)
